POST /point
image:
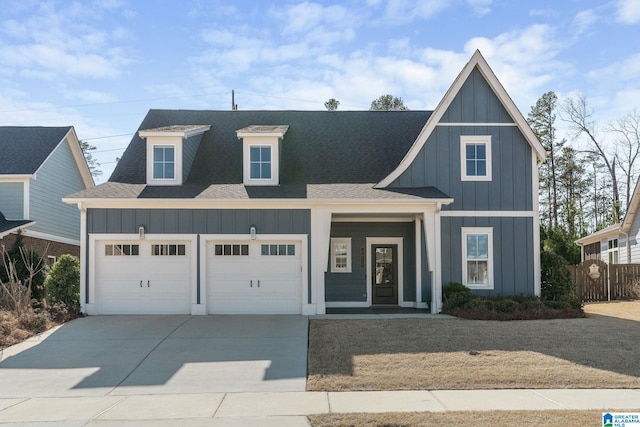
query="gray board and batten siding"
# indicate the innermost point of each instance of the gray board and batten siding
(201, 221)
(353, 286)
(57, 177)
(438, 162)
(512, 250)
(12, 200)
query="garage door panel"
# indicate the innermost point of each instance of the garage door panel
(267, 280)
(132, 279)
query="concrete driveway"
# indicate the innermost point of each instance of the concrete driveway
(147, 355)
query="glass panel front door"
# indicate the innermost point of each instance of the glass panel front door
(384, 274)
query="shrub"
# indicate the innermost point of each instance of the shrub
(34, 322)
(456, 295)
(61, 313)
(555, 278)
(63, 282)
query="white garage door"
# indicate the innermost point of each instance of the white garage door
(143, 277)
(254, 277)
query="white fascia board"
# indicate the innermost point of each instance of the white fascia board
(7, 232)
(477, 60)
(182, 134)
(16, 178)
(338, 205)
(78, 156)
(630, 216)
(598, 236)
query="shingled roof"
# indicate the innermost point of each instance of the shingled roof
(25, 148)
(325, 155)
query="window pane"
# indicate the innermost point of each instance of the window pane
(158, 169)
(291, 249)
(273, 249)
(218, 249)
(254, 154)
(341, 249)
(236, 249)
(135, 250)
(471, 151)
(158, 154)
(265, 249)
(227, 249)
(282, 249)
(483, 246)
(265, 154)
(481, 151)
(173, 250)
(244, 250)
(471, 168)
(255, 170)
(472, 246)
(108, 250)
(168, 154)
(265, 171)
(481, 168)
(168, 171)
(126, 249)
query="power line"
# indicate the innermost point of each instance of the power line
(131, 101)
(108, 136)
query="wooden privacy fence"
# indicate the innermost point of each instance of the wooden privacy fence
(598, 281)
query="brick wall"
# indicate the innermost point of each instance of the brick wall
(56, 249)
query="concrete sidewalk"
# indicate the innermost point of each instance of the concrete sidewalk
(290, 408)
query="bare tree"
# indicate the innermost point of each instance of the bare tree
(627, 131)
(579, 115)
(15, 292)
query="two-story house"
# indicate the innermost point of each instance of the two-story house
(297, 211)
(38, 166)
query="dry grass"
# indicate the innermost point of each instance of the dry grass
(467, 418)
(441, 354)
(622, 309)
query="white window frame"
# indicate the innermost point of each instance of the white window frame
(613, 251)
(473, 231)
(475, 140)
(261, 146)
(176, 143)
(335, 241)
(261, 141)
(153, 160)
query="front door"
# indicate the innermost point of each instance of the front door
(384, 274)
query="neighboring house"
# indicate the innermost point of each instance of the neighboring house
(297, 211)
(38, 166)
(610, 243)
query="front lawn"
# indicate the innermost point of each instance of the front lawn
(458, 354)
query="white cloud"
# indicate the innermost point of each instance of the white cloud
(584, 21)
(408, 10)
(481, 7)
(46, 44)
(628, 11)
(621, 71)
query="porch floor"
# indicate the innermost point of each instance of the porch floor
(377, 309)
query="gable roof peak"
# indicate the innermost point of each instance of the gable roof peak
(477, 61)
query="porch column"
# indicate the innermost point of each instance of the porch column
(320, 240)
(83, 258)
(419, 266)
(432, 237)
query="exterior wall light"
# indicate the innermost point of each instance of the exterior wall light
(141, 232)
(252, 232)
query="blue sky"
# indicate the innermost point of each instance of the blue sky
(101, 65)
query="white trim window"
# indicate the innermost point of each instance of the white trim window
(613, 251)
(475, 157)
(341, 255)
(164, 162)
(260, 162)
(477, 257)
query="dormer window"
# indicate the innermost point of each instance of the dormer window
(261, 150)
(170, 152)
(260, 161)
(164, 162)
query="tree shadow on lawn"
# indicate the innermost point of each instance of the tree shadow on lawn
(599, 342)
